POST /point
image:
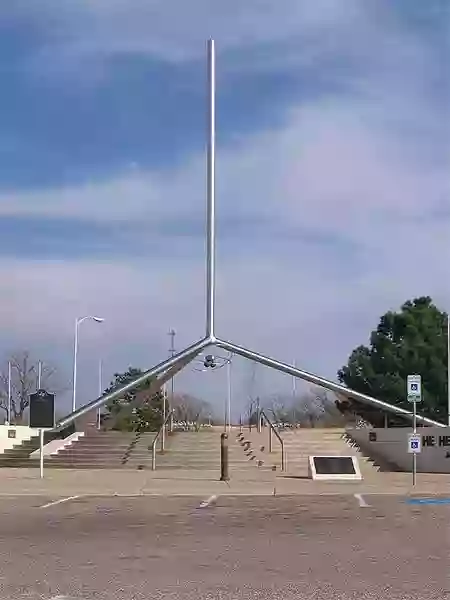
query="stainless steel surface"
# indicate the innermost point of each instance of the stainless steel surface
(176, 360)
(210, 195)
(159, 382)
(320, 381)
(277, 435)
(158, 435)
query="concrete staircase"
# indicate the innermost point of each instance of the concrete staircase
(106, 450)
(299, 444)
(18, 455)
(95, 450)
(200, 451)
(184, 451)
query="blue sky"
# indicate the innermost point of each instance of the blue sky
(332, 185)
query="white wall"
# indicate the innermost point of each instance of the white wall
(392, 444)
(55, 446)
(22, 433)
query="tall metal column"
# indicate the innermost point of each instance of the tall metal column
(210, 195)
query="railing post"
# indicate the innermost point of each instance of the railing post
(163, 436)
(224, 471)
(154, 456)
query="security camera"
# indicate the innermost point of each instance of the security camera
(210, 361)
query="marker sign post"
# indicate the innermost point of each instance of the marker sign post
(42, 416)
(414, 395)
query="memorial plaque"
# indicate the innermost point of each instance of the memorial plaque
(42, 410)
(334, 465)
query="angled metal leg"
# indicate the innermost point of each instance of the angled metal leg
(158, 382)
(320, 381)
(185, 355)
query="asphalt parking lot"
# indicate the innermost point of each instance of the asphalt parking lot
(258, 548)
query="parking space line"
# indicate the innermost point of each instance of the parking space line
(60, 501)
(428, 500)
(361, 501)
(208, 502)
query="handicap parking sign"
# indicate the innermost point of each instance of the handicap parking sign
(414, 443)
(414, 388)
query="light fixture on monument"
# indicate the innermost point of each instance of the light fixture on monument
(165, 370)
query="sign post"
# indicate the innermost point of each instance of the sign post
(42, 416)
(41, 452)
(414, 395)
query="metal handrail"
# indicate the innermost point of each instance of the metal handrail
(155, 441)
(262, 415)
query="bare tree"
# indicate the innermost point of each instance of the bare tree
(24, 381)
(315, 408)
(190, 410)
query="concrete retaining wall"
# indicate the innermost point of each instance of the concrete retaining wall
(13, 435)
(391, 444)
(55, 446)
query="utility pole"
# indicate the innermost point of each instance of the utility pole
(9, 391)
(39, 379)
(294, 382)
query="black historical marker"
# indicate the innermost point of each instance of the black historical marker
(42, 410)
(334, 465)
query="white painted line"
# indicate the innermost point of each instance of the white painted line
(208, 502)
(60, 501)
(361, 501)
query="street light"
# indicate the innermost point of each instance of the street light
(78, 322)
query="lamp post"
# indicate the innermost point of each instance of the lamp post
(78, 322)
